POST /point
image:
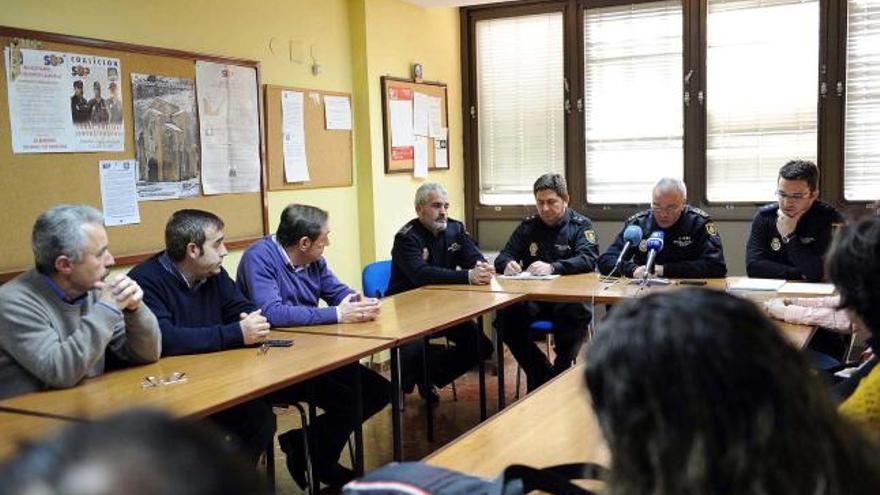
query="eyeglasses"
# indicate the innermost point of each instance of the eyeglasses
(664, 209)
(794, 197)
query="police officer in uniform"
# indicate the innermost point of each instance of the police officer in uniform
(691, 247)
(789, 238)
(430, 249)
(555, 241)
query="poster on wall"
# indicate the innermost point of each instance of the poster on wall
(166, 137)
(229, 127)
(64, 102)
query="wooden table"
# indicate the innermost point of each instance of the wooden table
(18, 429)
(587, 288)
(552, 425)
(409, 316)
(215, 381)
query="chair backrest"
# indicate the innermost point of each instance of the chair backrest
(376, 277)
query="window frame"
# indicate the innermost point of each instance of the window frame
(830, 110)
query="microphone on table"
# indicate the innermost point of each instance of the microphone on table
(654, 246)
(633, 236)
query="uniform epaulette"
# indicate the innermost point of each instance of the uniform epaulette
(530, 218)
(578, 219)
(638, 215)
(769, 207)
(699, 211)
(405, 229)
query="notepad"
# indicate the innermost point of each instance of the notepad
(770, 284)
(807, 288)
(527, 276)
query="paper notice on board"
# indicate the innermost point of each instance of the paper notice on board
(119, 198)
(337, 113)
(400, 107)
(420, 158)
(441, 154)
(435, 117)
(296, 166)
(229, 127)
(420, 114)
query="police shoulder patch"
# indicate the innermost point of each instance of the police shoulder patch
(590, 234)
(711, 229)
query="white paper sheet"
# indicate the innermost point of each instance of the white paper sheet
(746, 283)
(296, 167)
(63, 102)
(420, 113)
(229, 127)
(527, 276)
(441, 153)
(435, 117)
(337, 112)
(401, 108)
(807, 289)
(119, 198)
(420, 157)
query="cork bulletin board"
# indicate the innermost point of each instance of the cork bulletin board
(395, 161)
(31, 183)
(328, 152)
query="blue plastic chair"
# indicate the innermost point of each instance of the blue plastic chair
(375, 278)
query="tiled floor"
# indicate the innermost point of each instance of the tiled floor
(451, 419)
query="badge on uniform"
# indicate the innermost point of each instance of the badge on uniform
(533, 249)
(775, 244)
(643, 246)
(454, 247)
(590, 235)
(711, 229)
(425, 254)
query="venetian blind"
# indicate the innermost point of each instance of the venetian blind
(862, 132)
(520, 92)
(633, 110)
(761, 94)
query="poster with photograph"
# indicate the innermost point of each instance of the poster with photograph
(166, 137)
(64, 102)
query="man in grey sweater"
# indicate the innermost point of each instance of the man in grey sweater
(58, 319)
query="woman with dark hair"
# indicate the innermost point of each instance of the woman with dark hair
(697, 392)
(854, 267)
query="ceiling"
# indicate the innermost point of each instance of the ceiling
(449, 3)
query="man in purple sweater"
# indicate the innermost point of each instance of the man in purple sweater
(286, 276)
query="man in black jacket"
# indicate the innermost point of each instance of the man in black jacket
(557, 240)
(430, 249)
(789, 238)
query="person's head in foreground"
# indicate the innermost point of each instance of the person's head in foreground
(134, 453)
(854, 266)
(697, 392)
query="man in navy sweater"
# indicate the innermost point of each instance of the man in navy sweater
(200, 310)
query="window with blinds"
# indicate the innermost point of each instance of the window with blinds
(761, 94)
(633, 112)
(861, 154)
(520, 92)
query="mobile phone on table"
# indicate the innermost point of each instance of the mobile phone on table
(279, 342)
(691, 282)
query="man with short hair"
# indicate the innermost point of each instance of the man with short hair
(790, 237)
(98, 111)
(200, 310)
(558, 241)
(286, 276)
(692, 246)
(114, 104)
(79, 105)
(430, 249)
(58, 320)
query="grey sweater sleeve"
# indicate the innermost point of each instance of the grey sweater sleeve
(30, 333)
(137, 338)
